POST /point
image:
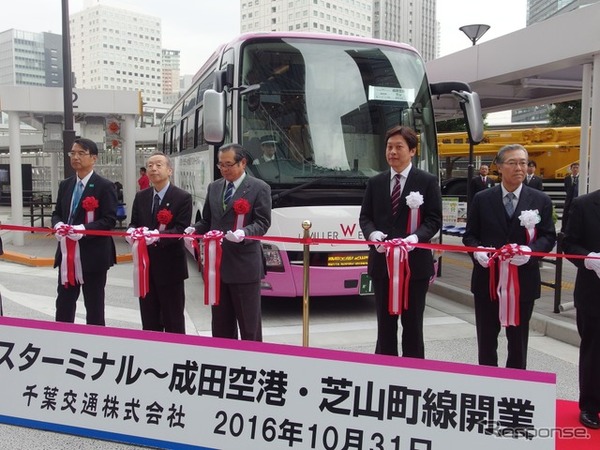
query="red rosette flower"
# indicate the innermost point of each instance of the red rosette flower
(164, 216)
(90, 203)
(241, 206)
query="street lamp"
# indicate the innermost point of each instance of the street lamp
(474, 33)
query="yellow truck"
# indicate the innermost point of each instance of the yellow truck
(553, 150)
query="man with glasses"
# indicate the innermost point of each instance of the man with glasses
(85, 201)
(242, 263)
(494, 221)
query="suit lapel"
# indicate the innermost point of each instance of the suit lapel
(166, 202)
(525, 203)
(217, 196)
(146, 206)
(88, 190)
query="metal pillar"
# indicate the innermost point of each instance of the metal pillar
(594, 182)
(584, 146)
(129, 167)
(16, 177)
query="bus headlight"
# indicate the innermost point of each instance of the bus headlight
(273, 258)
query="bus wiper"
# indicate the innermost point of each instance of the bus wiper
(289, 191)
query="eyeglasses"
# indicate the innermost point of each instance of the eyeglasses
(78, 154)
(512, 164)
(227, 165)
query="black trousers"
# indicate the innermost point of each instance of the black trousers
(162, 309)
(588, 326)
(412, 320)
(93, 298)
(488, 327)
(239, 305)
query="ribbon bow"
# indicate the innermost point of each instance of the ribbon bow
(399, 274)
(71, 270)
(212, 267)
(507, 290)
(141, 263)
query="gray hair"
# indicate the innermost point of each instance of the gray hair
(169, 165)
(507, 148)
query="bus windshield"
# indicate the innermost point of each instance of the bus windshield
(325, 106)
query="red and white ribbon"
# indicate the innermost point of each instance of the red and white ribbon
(414, 220)
(399, 275)
(507, 291)
(71, 270)
(212, 267)
(141, 263)
(530, 235)
(239, 221)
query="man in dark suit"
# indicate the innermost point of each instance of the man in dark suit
(379, 222)
(572, 191)
(532, 180)
(493, 221)
(582, 238)
(242, 262)
(481, 181)
(85, 201)
(164, 209)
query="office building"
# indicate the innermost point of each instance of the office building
(31, 59)
(171, 60)
(410, 21)
(345, 17)
(538, 10)
(117, 49)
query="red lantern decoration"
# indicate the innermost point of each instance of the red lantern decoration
(114, 127)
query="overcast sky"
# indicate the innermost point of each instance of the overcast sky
(198, 27)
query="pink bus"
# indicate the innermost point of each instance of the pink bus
(320, 104)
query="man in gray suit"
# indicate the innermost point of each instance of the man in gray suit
(242, 262)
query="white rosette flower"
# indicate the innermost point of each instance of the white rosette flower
(413, 201)
(529, 219)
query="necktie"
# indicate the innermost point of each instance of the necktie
(508, 203)
(228, 195)
(575, 187)
(155, 203)
(483, 179)
(76, 197)
(396, 194)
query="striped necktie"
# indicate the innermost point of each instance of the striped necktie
(396, 194)
(228, 195)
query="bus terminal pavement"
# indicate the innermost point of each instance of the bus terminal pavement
(449, 322)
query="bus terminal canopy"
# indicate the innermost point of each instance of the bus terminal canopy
(552, 61)
(537, 65)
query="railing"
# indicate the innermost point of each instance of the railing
(40, 206)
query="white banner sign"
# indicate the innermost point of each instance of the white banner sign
(177, 391)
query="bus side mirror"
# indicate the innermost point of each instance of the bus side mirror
(213, 117)
(471, 107)
(223, 78)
